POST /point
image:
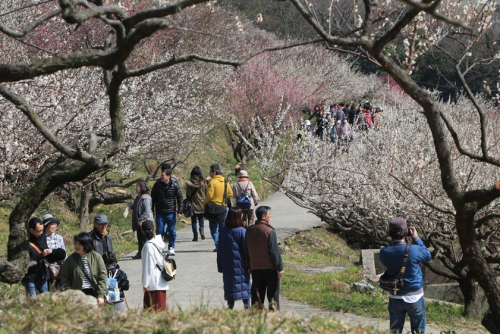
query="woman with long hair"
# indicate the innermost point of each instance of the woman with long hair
(195, 191)
(232, 259)
(85, 269)
(154, 286)
(141, 211)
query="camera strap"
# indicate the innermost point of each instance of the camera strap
(403, 268)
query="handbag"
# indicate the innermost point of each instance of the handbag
(216, 212)
(169, 267)
(54, 270)
(391, 283)
(187, 205)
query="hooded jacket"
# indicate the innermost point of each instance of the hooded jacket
(151, 256)
(196, 188)
(215, 191)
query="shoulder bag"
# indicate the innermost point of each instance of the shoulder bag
(390, 283)
(216, 212)
(244, 201)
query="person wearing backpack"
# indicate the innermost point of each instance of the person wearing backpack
(246, 197)
(154, 286)
(195, 191)
(116, 284)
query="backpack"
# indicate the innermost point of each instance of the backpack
(169, 267)
(112, 289)
(244, 201)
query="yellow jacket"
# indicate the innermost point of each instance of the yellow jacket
(215, 191)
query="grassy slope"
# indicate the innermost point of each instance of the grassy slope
(320, 247)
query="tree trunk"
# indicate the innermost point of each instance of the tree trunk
(84, 205)
(478, 267)
(470, 291)
(14, 269)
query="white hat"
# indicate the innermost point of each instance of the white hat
(307, 122)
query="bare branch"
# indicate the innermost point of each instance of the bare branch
(432, 10)
(30, 27)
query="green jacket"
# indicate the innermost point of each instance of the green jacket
(72, 275)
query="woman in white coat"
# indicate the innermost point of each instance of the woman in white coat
(154, 286)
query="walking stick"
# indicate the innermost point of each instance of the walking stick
(126, 301)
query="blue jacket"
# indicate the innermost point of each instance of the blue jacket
(392, 258)
(231, 262)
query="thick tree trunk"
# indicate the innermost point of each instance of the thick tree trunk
(14, 269)
(470, 292)
(478, 267)
(83, 218)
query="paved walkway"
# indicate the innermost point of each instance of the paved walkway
(198, 282)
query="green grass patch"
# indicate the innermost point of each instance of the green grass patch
(57, 314)
(319, 248)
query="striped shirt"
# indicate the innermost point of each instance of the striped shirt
(86, 283)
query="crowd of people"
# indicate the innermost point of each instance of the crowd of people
(247, 248)
(339, 122)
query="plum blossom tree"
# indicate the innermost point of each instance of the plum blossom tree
(96, 82)
(298, 77)
(423, 25)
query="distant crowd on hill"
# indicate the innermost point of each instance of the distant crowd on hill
(339, 122)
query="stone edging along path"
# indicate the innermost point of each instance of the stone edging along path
(198, 282)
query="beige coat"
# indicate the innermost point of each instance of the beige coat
(240, 186)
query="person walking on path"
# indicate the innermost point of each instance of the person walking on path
(264, 260)
(154, 286)
(196, 187)
(164, 195)
(141, 211)
(100, 235)
(232, 259)
(410, 298)
(245, 187)
(85, 269)
(35, 280)
(216, 189)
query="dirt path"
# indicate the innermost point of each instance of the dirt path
(198, 282)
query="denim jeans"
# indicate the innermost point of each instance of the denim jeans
(165, 224)
(200, 219)
(215, 226)
(398, 309)
(33, 288)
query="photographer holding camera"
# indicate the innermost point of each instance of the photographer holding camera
(410, 298)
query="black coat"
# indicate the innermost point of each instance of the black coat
(102, 243)
(164, 196)
(39, 271)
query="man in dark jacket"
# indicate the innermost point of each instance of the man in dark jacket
(100, 236)
(164, 195)
(264, 260)
(35, 280)
(410, 297)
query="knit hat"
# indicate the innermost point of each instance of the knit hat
(48, 218)
(101, 219)
(397, 224)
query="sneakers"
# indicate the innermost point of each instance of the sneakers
(171, 251)
(137, 256)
